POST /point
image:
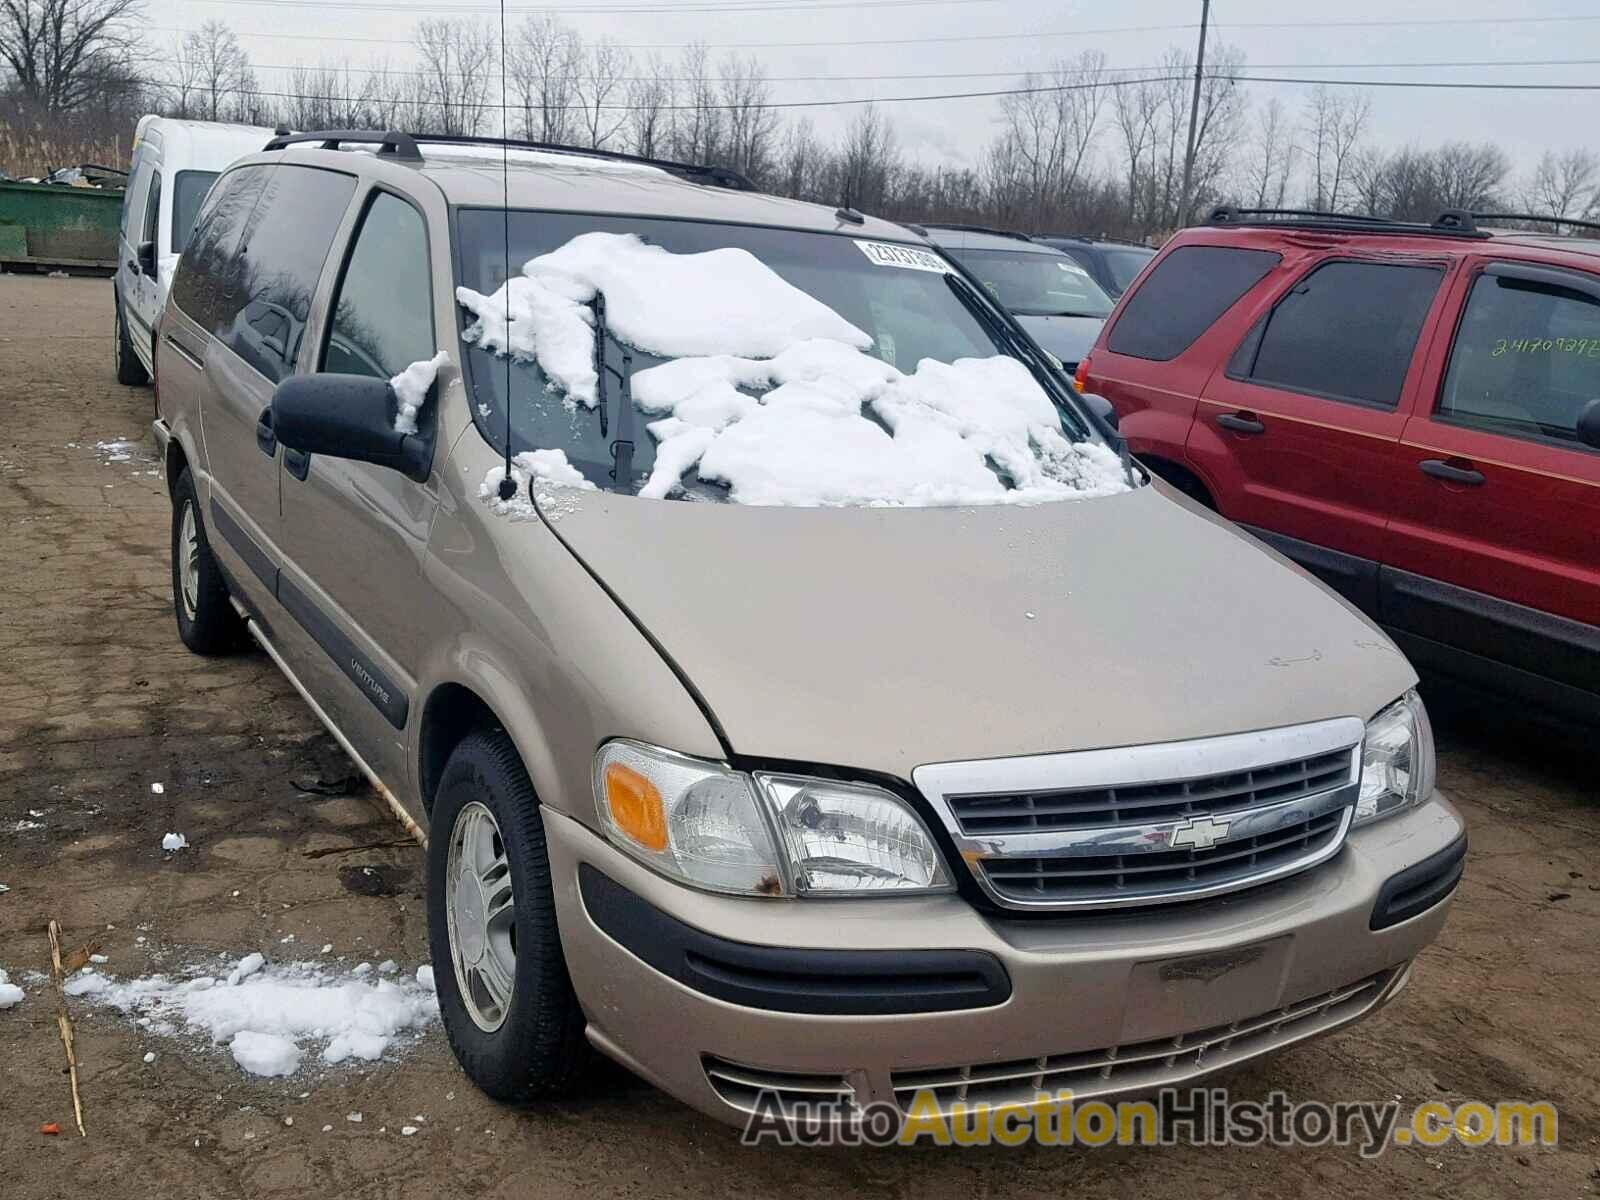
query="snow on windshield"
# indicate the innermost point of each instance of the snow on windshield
(771, 392)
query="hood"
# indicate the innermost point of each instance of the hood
(883, 639)
(1068, 338)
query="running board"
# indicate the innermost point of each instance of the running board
(395, 806)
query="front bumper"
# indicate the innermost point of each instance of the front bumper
(1105, 1004)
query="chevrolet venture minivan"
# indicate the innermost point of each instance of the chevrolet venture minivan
(821, 708)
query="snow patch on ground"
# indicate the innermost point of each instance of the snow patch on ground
(411, 390)
(174, 841)
(772, 393)
(10, 993)
(271, 1015)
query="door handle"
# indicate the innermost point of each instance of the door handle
(266, 439)
(298, 462)
(1452, 471)
(1241, 422)
(133, 266)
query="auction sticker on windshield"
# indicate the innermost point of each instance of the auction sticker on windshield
(888, 254)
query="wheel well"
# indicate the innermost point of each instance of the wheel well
(451, 713)
(1180, 477)
(176, 462)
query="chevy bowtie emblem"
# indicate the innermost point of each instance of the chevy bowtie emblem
(1199, 833)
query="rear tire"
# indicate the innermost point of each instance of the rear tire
(207, 621)
(130, 371)
(512, 1018)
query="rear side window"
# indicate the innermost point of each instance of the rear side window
(383, 316)
(152, 209)
(200, 287)
(281, 254)
(1526, 360)
(1189, 289)
(188, 190)
(1346, 331)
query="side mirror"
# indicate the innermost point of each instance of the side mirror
(1589, 424)
(1100, 407)
(348, 416)
(146, 254)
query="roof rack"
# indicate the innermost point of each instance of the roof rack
(406, 146)
(1091, 238)
(1452, 222)
(1007, 233)
(400, 145)
(1594, 225)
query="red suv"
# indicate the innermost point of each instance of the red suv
(1411, 412)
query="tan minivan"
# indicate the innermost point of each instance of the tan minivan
(822, 709)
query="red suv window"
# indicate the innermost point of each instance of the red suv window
(1188, 290)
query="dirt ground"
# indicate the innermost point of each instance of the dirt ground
(98, 700)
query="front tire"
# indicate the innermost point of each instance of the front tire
(507, 1002)
(207, 622)
(130, 371)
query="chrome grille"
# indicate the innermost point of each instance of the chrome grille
(1084, 808)
(1151, 824)
(1109, 876)
(1141, 1065)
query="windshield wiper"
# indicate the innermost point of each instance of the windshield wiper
(622, 448)
(1054, 312)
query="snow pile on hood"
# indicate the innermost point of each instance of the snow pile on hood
(266, 1013)
(833, 425)
(10, 993)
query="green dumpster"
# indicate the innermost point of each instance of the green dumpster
(58, 226)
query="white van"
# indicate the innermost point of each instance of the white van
(174, 163)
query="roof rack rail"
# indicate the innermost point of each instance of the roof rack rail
(400, 145)
(1452, 222)
(1009, 233)
(407, 146)
(1483, 216)
(1091, 238)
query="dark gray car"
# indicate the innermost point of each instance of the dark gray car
(1049, 292)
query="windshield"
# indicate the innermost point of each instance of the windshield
(1125, 265)
(753, 364)
(189, 190)
(1037, 284)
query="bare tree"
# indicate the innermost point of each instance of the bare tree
(61, 53)
(1271, 155)
(651, 118)
(1049, 126)
(220, 70)
(752, 124)
(602, 83)
(868, 161)
(1135, 110)
(700, 126)
(1469, 176)
(1565, 184)
(458, 66)
(1335, 122)
(801, 161)
(544, 62)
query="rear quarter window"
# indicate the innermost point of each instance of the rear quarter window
(1188, 290)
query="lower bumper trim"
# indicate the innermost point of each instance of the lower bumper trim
(1418, 888)
(783, 979)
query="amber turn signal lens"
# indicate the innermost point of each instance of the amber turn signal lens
(636, 806)
(1081, 380)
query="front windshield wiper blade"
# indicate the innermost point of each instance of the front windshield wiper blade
(1056, 312)
(622, 448)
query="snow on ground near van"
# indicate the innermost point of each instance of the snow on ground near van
(832, 425)
(10, 993)
(272, 1015)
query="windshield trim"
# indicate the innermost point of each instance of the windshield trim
(1081, 424)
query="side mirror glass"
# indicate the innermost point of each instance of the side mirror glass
(348, 416)
(146, 254)
(1589, 424)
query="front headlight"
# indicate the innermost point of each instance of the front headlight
(767, 835)
(1397, 763)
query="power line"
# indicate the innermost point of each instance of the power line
(1009, 72)
(946, 39)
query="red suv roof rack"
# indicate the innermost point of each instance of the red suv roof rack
(1452, 222)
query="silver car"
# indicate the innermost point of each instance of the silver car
(800, 694)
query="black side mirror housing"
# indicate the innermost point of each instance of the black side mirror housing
(349, 416)
(1100, 407)
(1589, 424)
(146, 254)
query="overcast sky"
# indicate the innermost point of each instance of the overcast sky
(1523, 123)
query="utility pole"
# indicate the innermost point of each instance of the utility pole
(1194, 118)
